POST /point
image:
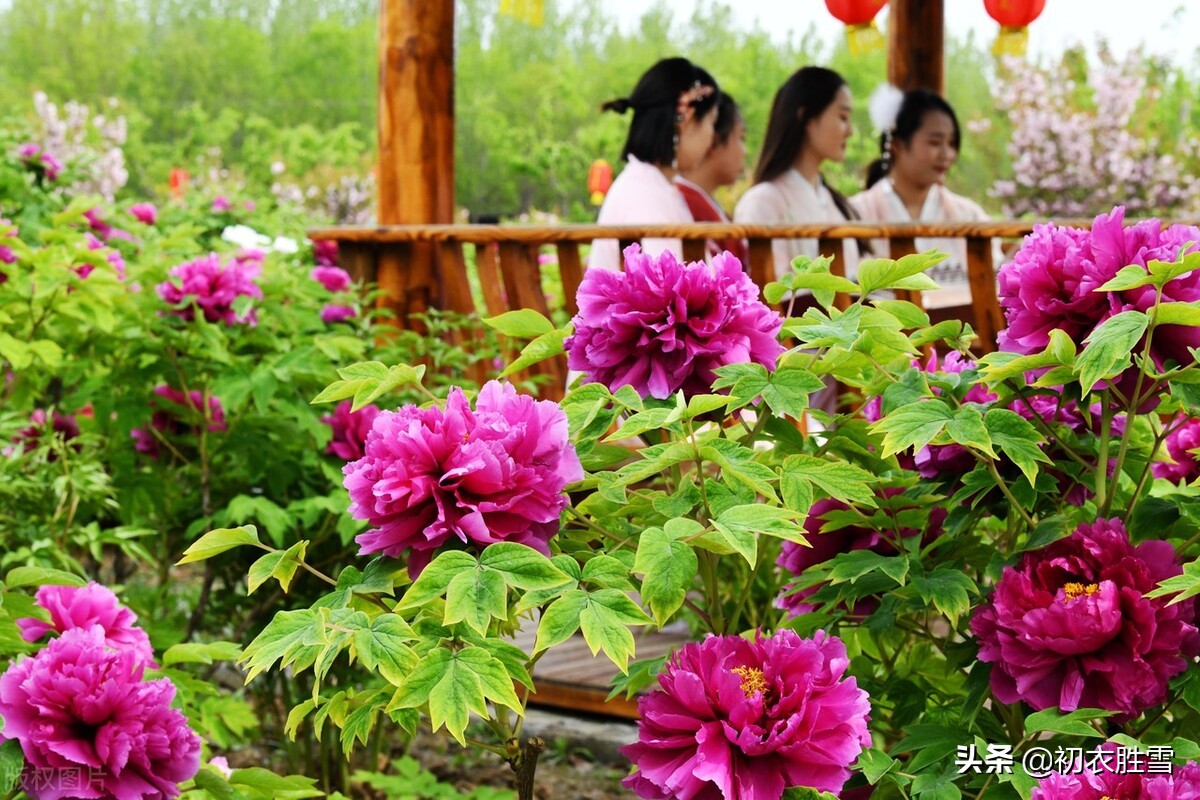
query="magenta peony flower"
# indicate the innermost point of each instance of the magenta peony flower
(824, 545)
(1070, 626)
(171, 421)
(1051, 282)
(332, 314)
(214, 288)
(334, 279)
(661, 326)
(84, 606)
(350, 429)
(1115, 246)
(41, 162)
(90, 727)
(744, 720)
(432, 476)
(1099, 778)
(325, 252)
(1182, 444)
(63, 426)
(97, 223)
(114, 258)
(145, 213)
(221, 204)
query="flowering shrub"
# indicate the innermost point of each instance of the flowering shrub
(978, 557)
(1083, 142)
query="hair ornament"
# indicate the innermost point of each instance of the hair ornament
(690, 97)
(884, 107)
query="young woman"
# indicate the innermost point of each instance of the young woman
(721, 166)
(674, 110)
(919, 144)
(809, 125)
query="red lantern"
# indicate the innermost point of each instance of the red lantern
(1014, 17)
(599, 180)
(859, 17)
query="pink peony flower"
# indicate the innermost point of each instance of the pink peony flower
(213, 287)
(332, 314)
(1070, 626)
(221, 204)
(744, 720)
(113, 256)
(90, 727)
(1182, 444)
(221, 765)
(824, 545)
(325, 252)
(334, 279)
(661, 326)
(350, 429)
(41, 162)
(145, 213)
(73, 607)
(432, 476)
(1098, 778)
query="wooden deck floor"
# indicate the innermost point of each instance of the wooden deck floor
(570, 678)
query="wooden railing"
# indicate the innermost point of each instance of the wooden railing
(420, 267)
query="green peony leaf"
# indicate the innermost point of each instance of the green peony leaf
(523, 323)
(522, 566)
(476, 597)
(384, 647)
(543, 347)
(1017, 439)
(912, 426)
(605, 623)
(1108, 349)
(216, 542)
(668, 568)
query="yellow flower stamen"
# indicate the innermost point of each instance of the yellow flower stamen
(1073, 590)
(752, 680)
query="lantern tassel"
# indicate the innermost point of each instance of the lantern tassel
(1011, 42)
(862, 39)
(527, 11)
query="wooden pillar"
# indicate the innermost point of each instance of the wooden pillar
(416, 142)
(917, 44)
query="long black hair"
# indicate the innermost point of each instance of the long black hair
(653, 101)
(802, 98)
(916, 105)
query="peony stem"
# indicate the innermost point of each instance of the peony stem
(525, 766)
(1003, 487)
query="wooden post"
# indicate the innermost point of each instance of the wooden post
(416, 143)
(916, 44)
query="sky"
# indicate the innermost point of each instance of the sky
(1168, 28)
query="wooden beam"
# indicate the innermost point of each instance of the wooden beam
(415, 176)
(917, 44)
(416, 112)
